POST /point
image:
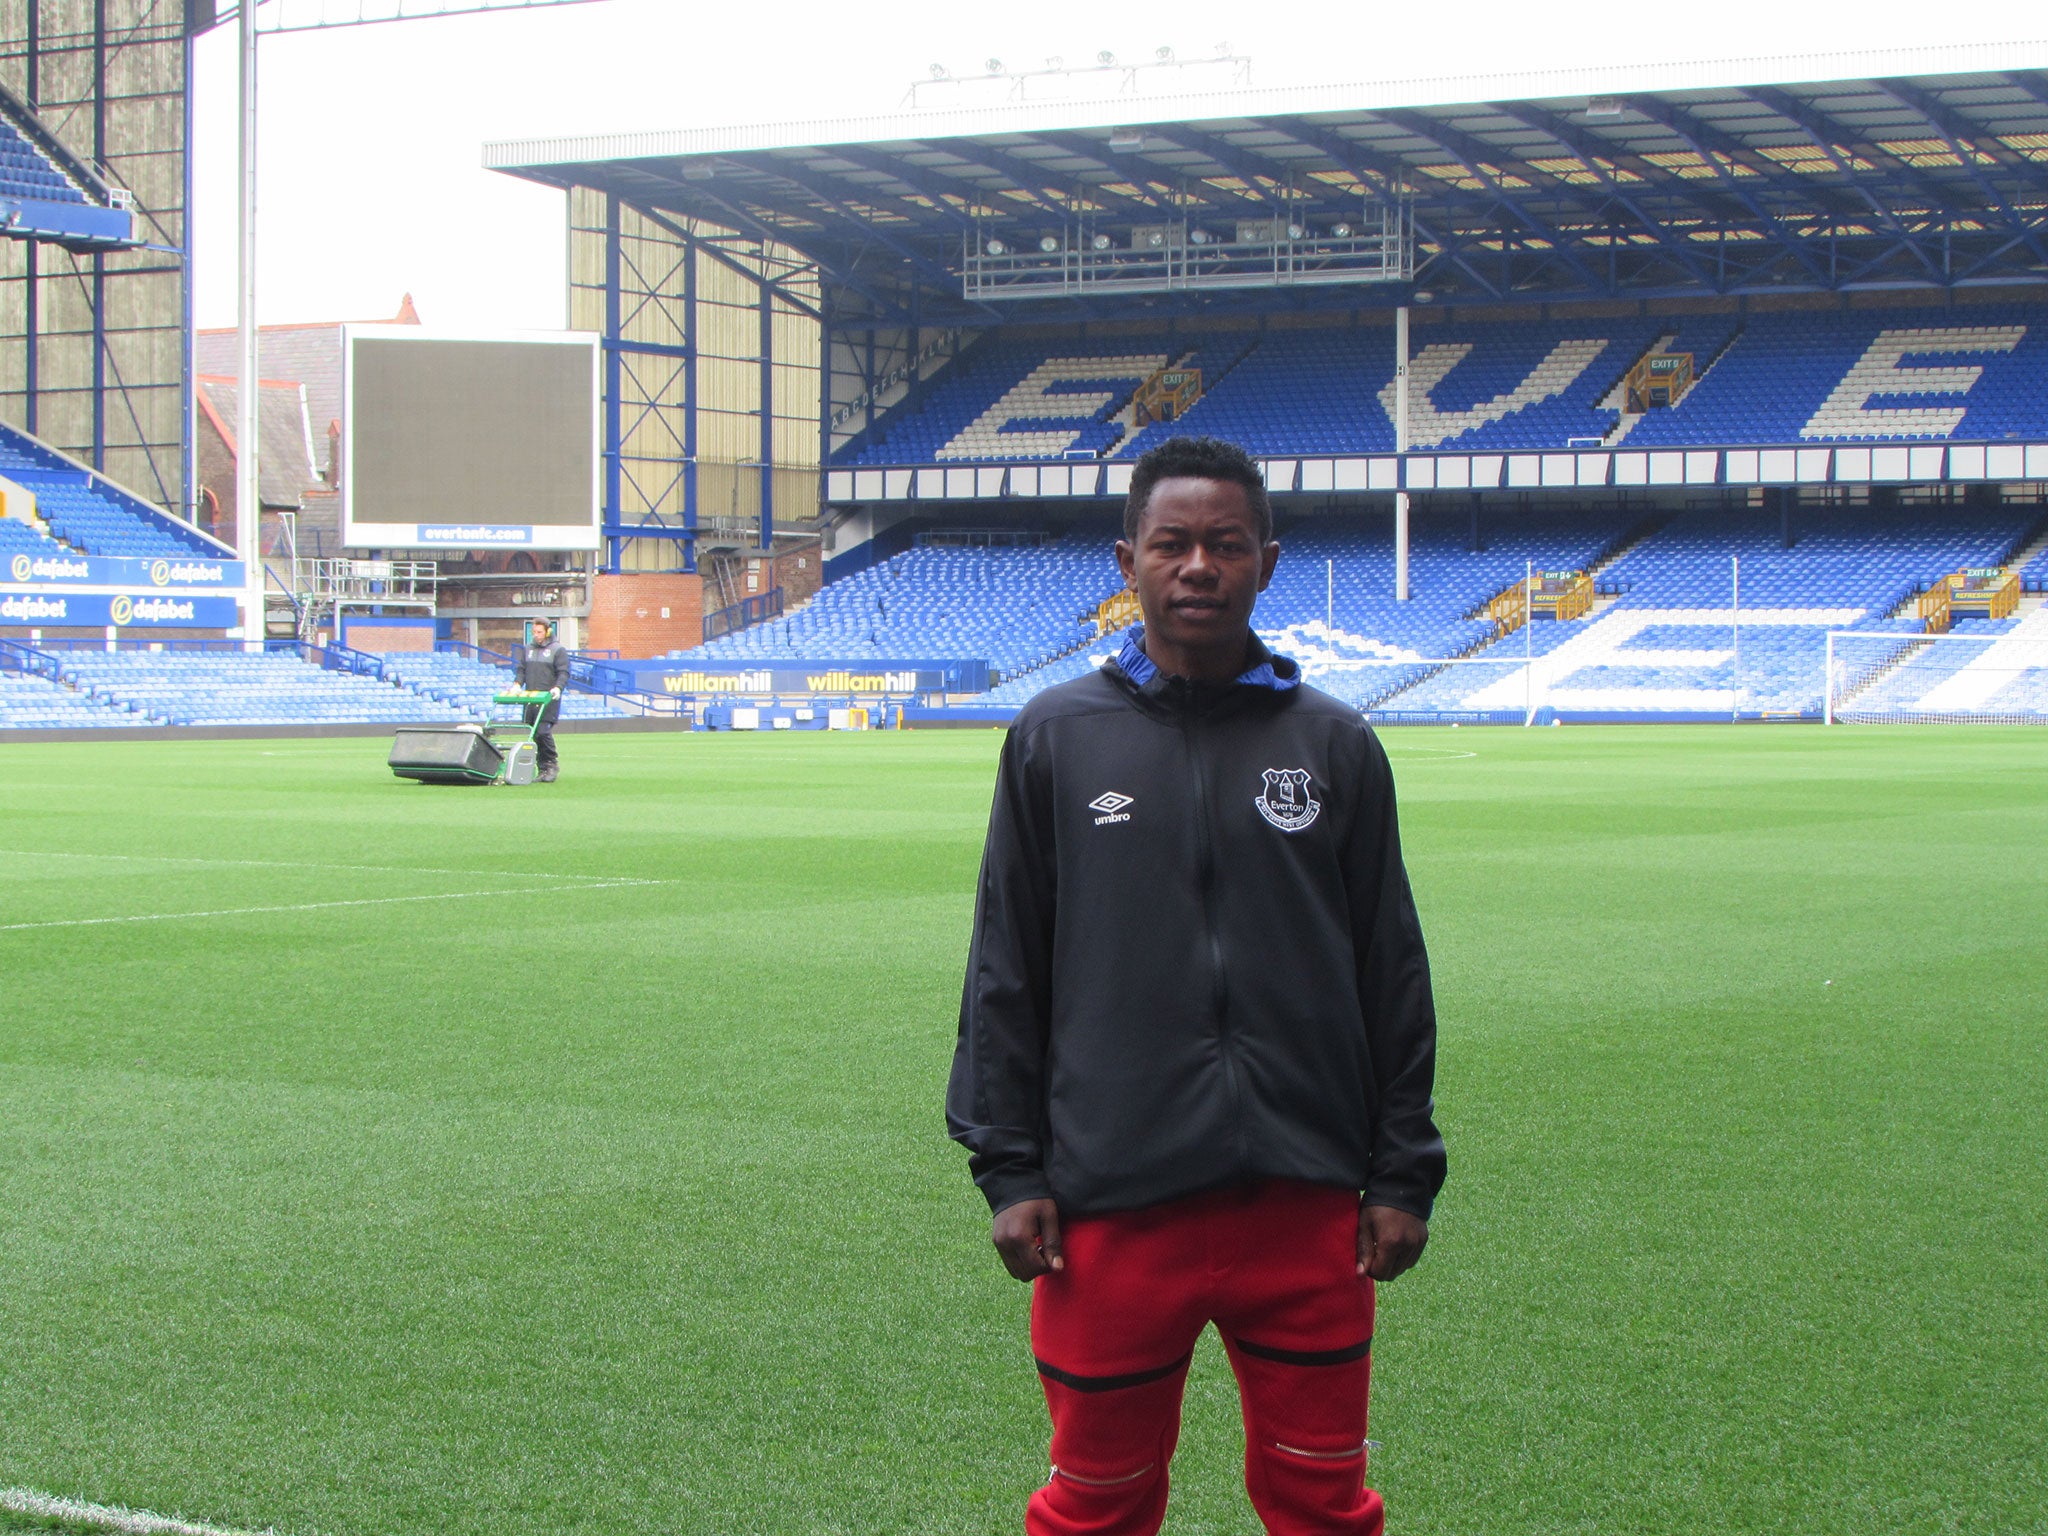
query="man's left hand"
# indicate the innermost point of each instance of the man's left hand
(1390, 1240)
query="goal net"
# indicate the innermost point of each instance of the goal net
(1956, 678)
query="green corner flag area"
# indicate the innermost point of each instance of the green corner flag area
(381, 1159)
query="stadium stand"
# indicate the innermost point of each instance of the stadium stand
(1012, 399)
(1972, 373)
(26, 172)
(1975, 373)
(35, 703)
(231, 688)
(1673, 643)
(1015, 607)
(91, 515)
(467, 684)
(18, 536)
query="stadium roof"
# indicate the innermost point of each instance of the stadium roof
(1849, 172)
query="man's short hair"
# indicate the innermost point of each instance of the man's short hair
(1198, 458)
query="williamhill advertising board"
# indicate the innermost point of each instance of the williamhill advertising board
(820, 679)
(68, 570)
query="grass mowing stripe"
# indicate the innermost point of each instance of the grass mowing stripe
(76, 1514)
(311, 906)
(365, 869)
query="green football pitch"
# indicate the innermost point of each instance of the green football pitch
(378, 1159)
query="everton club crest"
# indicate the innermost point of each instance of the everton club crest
(1285, 801)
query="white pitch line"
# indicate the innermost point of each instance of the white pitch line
(105, 1517)
(310, 906)
(371, 869)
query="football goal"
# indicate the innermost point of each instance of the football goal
(1897, 678)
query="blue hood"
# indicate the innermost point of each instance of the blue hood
(1266, 671)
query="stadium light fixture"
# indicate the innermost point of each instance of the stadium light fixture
(1126, 138)
(1105, 58)
(1048, 243)
(1423, 295)
(1603, 106)
(1295, 231)
(1163, 54)
(1100, 242)
(997, 247)
(1155, 239)
(994, 66)
(1341, 231)
(698, 170)
(1198, 237)
(939, 72)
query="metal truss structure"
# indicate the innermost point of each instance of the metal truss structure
(95, 344)
(1180, 256)
(695, 321)
(1933, 181)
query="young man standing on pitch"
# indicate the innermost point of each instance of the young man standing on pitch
(1196, 1039)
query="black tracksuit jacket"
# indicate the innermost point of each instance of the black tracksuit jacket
(1190, 966)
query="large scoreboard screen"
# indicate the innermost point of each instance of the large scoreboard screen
(469, 442)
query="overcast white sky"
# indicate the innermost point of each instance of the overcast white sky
(371, 183)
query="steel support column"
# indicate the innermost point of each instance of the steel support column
(99, 258)
(767, 412)
(1401, 447)
(690, 404)
(188, 406)
(614, 446)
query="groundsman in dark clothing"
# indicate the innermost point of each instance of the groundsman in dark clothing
(1197, 1040)
(544, 668)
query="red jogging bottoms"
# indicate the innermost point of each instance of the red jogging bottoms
(1274, 1267)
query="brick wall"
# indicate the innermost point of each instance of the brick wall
(646, 615)
(364, 635)
(800, 572)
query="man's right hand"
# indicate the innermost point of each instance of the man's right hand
(1027, 1235)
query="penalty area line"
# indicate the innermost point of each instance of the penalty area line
(316, 906)
(106, 1517)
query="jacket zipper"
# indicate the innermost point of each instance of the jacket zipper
(1219, 985)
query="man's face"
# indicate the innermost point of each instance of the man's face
(1197, 565)
(543, 633)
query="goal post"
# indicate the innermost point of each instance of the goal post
(1891, 677)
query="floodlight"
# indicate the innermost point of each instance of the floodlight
(698, 170)
(1199, 237)
(1423, 295)
(1341, 231)
(938, 71)
(1604, 106)
(1126, 138)
(1100, 242)
(1163, 55)
(995, 247)
(1156, 238)
(1295, 231)
(995, 66)
(1048, 243)
(1105, 57)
